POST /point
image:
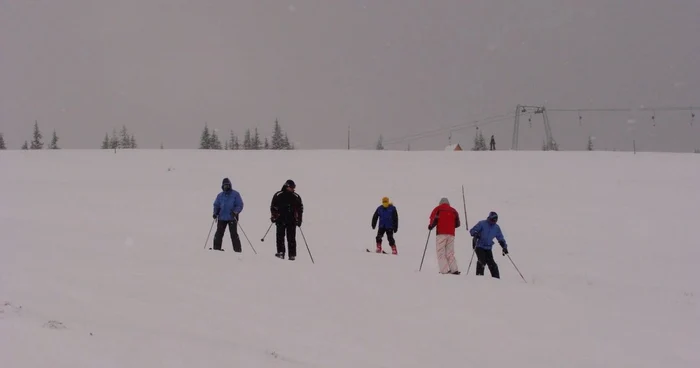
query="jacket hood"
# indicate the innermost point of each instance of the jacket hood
(444, 200)
(289, 183)
(224, 182)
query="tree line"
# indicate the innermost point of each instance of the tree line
(122, 141)
(209, 139)
(37, 142)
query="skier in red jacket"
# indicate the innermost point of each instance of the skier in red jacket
(446, 219)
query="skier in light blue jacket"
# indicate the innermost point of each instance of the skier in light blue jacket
(227, 207)
(484, 232)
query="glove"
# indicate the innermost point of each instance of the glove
(430, 227)
(234, 215)
(396, 230)
(474, 241)
(215, 216)
(299, 223)
(505, 251)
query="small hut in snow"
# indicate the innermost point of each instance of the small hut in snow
(453, 147)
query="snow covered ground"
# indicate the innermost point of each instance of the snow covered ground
(102, 261)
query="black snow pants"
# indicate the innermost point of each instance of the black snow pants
(485, 258)
(290, 230)
(219, 235)
(389, 235)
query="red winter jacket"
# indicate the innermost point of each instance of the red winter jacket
(447, 219)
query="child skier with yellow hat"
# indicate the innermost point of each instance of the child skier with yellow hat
(388, 218)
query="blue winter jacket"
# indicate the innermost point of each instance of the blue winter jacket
(226, 203)
(486, 232)
(388, 218)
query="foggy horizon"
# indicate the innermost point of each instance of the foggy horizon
(404, 69)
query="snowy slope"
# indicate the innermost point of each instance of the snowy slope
(102, 261)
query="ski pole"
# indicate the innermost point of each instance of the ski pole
(516, 268)
(246, 236)
(307, 244)
(207, 241)
(464, 202)
(470, 261)
(424, 250)
(268, 230)
(466, 227)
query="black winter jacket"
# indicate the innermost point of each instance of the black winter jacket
(286, 208)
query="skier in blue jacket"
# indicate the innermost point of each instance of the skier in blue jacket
(484, 232)
(388, 218)
(227, 207)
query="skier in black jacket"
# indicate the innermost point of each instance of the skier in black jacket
(286, 210)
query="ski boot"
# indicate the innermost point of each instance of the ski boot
(279, 255)
(393, 250)
(379, 247)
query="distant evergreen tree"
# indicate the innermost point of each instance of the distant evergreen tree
(214, 142)
(235, 144)
(479, 142)
(54, 141)
(278, 140)
(132, 142)
(380, 143)
(161, 145)
(114, 140)
(125, 140)
(25, 146)
(105, 142)
(247, 141)
(37, 144)
(233, 141)
(590, 144)
(2, 142)
(257, 143)
(288, 145)
(205, 139)
(267, 144)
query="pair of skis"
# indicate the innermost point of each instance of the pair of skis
(369, 251)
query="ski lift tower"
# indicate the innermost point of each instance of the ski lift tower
(523, 109)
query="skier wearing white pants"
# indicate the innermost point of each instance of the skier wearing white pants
(446, 220)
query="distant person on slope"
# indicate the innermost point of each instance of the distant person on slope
(227, 206)
(446, 219)
(388, 218)
(484, 232)
(286, 212)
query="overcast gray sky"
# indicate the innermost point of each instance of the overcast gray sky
(394, 67)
